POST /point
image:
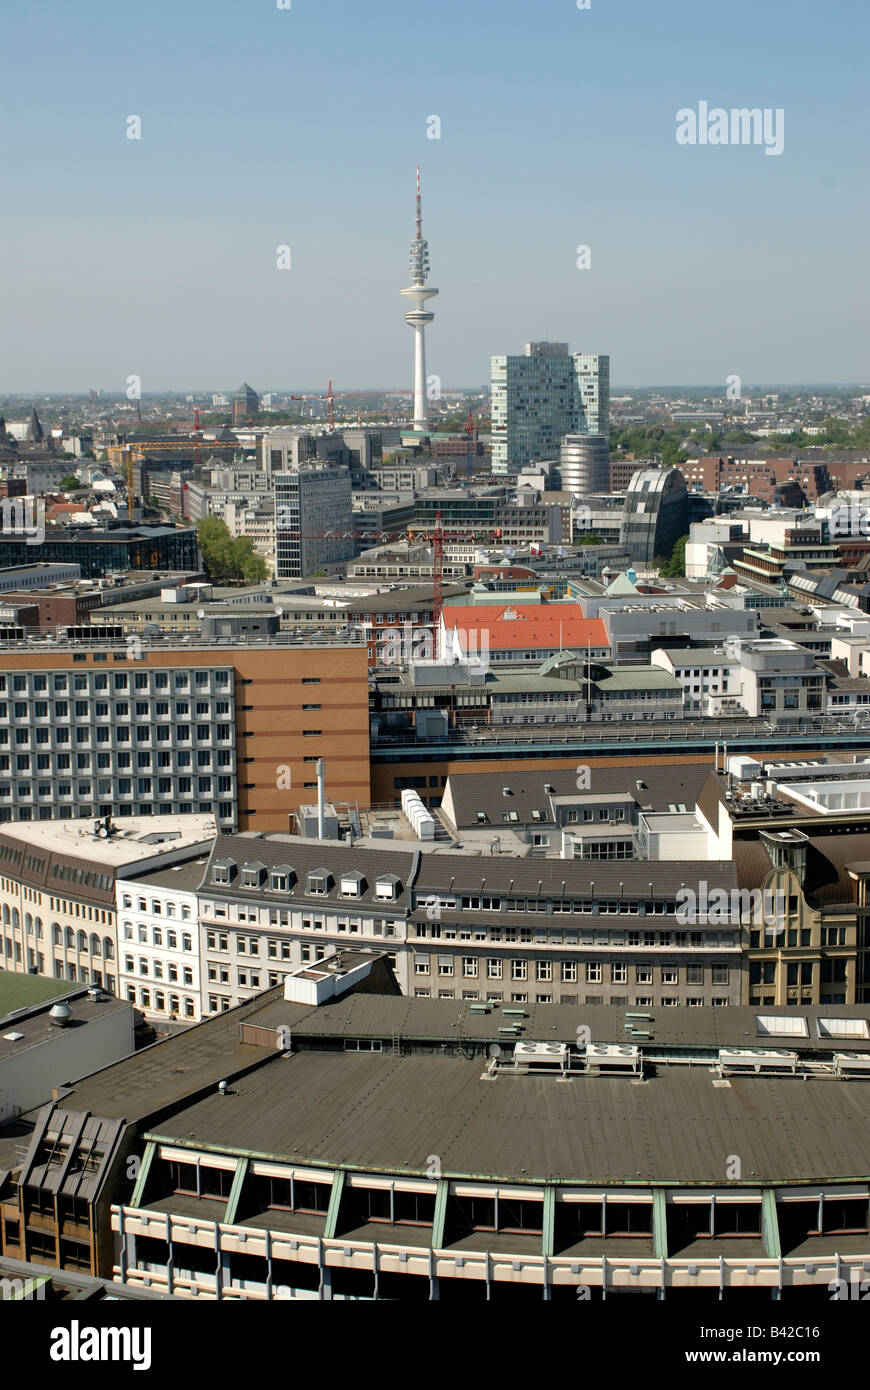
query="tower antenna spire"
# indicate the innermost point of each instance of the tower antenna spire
(418, 316)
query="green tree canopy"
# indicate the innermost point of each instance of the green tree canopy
(226, 559)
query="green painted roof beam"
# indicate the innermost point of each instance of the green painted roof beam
(439, 1220)
(334, 1204)
(549, 1222)
(770, 1224)
(236, 1191)
(144, 1169)
(660, 1224)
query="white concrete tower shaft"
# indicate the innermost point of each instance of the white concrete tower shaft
(418, 317)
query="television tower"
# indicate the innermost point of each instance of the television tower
(418, 317)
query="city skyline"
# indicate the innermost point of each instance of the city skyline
(683, 264)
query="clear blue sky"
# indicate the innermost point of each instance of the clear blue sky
(263, 127)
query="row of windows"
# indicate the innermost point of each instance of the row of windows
(157, 935)
(156, 968)
(123, 786)
(160, 680)
(120, 709)
(555, 936)
(544, 970)
(205, 757)
(159, 1002)
(617, 1001)
(114, 734)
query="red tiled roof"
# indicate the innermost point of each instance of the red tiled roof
(546, 626)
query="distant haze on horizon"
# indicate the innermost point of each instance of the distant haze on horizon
(264, 128)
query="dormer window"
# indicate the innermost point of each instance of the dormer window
(319, 881)
(222, 871)
(352, 885)
(280, 878)
(252, 874)
(387, 888)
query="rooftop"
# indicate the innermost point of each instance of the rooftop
(34, 1023)
(24, 991)
(136, 838)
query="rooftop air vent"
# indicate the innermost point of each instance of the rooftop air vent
(60, 1015)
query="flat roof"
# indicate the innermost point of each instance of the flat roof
(36, 1026)
(138, 837)
(19, 991)
(390, 1113)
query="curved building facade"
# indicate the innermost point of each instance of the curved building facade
(584, 464)
(655, 515)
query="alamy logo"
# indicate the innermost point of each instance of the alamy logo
(718, 906)
(851, 520)
(77, 1343)
(12, 1290)
(23, 516)
(739, 126)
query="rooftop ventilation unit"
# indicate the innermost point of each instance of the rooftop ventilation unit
(60, 1015)
(613, 1057)
(541, 1056)
(851, 1064)
(756, 1059)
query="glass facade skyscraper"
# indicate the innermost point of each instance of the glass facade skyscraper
(542, 395)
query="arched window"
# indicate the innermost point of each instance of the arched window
(38, 928)
(28, 923)
(95, 945)
(83, 941)
(16, 919)
(108, 948)
(56, 934)
(5, 915)
(70, 938)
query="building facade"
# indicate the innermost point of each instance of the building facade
(542, 395)
(231, 730)
(314, 523)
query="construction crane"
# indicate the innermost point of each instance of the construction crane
(437, 578)
(469, 444)
(134, 453)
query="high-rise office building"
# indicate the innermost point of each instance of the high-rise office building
(542, 395)
(227, 729)
(313, 519)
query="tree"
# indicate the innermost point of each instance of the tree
(225, 558)
(215, 543)
(675, 567)
(70, 483)
(251, 566)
